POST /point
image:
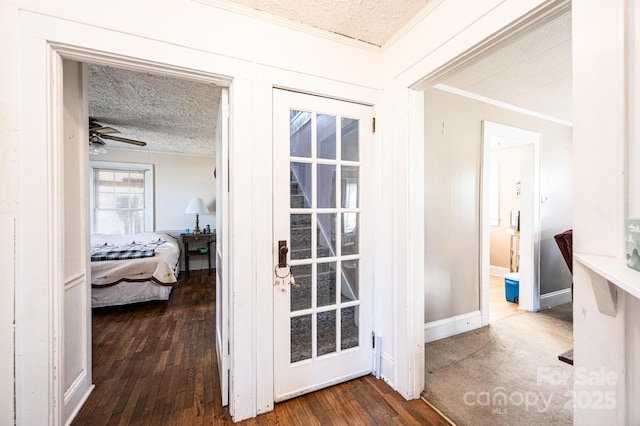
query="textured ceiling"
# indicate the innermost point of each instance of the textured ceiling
(531, 72)
(169, 114)
(174, 115)
(371, 21)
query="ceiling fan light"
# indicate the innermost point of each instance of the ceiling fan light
(96, 149)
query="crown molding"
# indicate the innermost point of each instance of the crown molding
(501, 104)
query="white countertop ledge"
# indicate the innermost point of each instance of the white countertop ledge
(614, 270)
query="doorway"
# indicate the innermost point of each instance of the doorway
(79, 309)
(323, 283)
(522, 223)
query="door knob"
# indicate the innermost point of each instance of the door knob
(282, 253)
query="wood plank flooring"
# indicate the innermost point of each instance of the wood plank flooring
(155, 364)
(499, 306)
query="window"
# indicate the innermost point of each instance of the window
(121, 198)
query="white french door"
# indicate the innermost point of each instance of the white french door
(322, 198)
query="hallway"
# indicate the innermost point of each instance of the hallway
(507, 373)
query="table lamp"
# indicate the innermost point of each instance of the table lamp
(197, 206)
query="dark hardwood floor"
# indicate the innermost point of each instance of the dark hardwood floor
(155, 364)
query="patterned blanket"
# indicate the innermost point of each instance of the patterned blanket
(130, 251)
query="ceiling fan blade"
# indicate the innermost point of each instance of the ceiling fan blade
(104, 130)
(125, 140)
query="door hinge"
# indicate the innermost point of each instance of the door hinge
(373, 339)
(373, 125)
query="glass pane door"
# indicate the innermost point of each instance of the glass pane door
(323, 233)
(323, 308)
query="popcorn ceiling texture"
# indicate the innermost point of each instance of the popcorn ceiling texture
(170, 114)
(371, 21)
(179, 116)
(532, 71)
(174, 115)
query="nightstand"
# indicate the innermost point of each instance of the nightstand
(197, 245)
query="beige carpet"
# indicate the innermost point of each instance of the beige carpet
(505, 374)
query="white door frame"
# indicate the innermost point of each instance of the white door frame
(222, 245)
(31, 337)
(294, 379)
(409, 112)
(529, 223)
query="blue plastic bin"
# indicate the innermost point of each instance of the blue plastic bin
(512, 287)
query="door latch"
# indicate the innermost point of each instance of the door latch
(282, 253)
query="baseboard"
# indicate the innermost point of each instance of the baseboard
(78, 401)
(386, 369)
(498, 271)
(555, 298)
(448, 327)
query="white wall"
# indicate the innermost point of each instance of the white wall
(452, 182)
(606, 191)
(8, 193)
(507, 161)
(452, 171)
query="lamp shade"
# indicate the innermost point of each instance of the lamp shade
(197, 205)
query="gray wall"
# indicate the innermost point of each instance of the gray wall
(452, 200)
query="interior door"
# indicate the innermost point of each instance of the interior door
(222, 245)
(75, 343)
(323, 285)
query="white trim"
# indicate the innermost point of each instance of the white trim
(75, 386)
(222, 247)
(448, 327)
(322, 385)
(55, 160)
(154, 151)
(498, 271)
(530, 225)
(78, 406)
(501, 104)
(112, 59)
(415, 236)
(386, 368)
(555, 298)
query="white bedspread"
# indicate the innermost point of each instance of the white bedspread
(161, 268)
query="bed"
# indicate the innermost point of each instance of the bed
(133, 268)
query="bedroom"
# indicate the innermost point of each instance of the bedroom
(138, 189)
(170, 172)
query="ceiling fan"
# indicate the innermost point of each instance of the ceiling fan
(98, 132)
